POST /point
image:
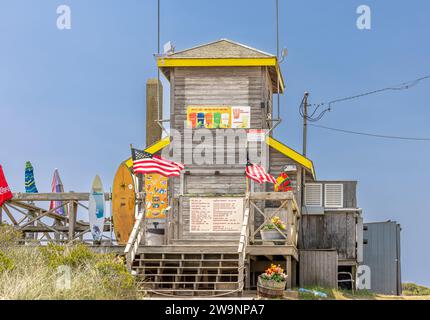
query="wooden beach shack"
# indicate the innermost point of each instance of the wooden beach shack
(202, 235)
(212, 243)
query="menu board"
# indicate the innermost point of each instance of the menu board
(241, 117)
(156, 199)
(218, 117)
(216, 215)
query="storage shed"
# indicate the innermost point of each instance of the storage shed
(382, 255)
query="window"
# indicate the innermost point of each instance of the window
(333, 195)
(313, 194)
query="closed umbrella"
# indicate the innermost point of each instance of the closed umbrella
(30, 184)
(57, 186)
(5, 193)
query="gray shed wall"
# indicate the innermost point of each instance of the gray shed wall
(382, 254)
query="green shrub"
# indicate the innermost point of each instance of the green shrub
(75, 256)
(114, 273)
(9, 235)
(412, 289)
(6, 263)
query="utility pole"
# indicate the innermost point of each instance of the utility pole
(305, 122)
(305, 138)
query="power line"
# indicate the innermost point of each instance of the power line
(314, 117)
(370, 134)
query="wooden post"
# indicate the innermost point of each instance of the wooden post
(289, 271)
(1, 215)
(153, 130)
(73, 212)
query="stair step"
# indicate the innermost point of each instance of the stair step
(184, 282)
(187, 260)
(187, 267)
(193, 275)
(187, 290)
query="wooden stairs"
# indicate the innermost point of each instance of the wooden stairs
(182, 270)
(188, 267)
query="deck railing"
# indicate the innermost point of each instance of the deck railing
(30, 214)
(288, 208)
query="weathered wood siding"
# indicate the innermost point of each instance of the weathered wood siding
(214, 184)
(318, 268)
(237, 86)
(335, 230)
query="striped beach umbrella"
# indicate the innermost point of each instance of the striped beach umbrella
(57, 186)
(30, 184)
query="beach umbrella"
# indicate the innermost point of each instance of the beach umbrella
(57, 186)
(30, 184)
(5, 193)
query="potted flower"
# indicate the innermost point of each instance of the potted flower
(272, 282)
(269, 231)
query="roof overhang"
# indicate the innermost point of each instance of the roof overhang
(292, 154)
(271, 142)
(166, 63)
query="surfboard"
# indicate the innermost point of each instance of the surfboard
(123, 203)
(97, 209)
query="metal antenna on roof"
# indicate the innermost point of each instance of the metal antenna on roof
(159, 121)
(278, 120)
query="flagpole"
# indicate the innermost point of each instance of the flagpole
(247, 184)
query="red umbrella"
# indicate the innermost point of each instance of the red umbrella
(5, 193)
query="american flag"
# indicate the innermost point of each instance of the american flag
(257, 173)
(145, 162)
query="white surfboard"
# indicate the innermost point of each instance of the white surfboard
(97, 209)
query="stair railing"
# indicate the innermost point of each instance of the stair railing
(243, 242)
(135, 239)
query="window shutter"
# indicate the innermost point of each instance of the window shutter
(333, 195)
(313, 194)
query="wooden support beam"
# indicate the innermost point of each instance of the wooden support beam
(271, 195)
(73, 212)
(61, 196)
(289, 271)
(10, 215)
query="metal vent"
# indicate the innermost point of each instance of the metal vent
(313, 194)
(333, 195)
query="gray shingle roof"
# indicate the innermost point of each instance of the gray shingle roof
(220, 49)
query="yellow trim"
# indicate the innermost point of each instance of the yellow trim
(151, 149)
(216, 62)
(290, 153)
(281, 82)
(223, 62)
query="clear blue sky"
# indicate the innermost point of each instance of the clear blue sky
(75, 99)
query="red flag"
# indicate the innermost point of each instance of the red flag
(5, 193)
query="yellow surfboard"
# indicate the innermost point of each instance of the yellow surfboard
(123, 203)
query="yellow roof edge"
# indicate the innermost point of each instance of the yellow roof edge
(290, 153)
(157, 146)
(166, 62)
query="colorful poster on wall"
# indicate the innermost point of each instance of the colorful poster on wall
(241, 117)
(218, 117)
(217, 215)
(156, 198)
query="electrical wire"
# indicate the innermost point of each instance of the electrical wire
(370, 134)
(314, 117)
